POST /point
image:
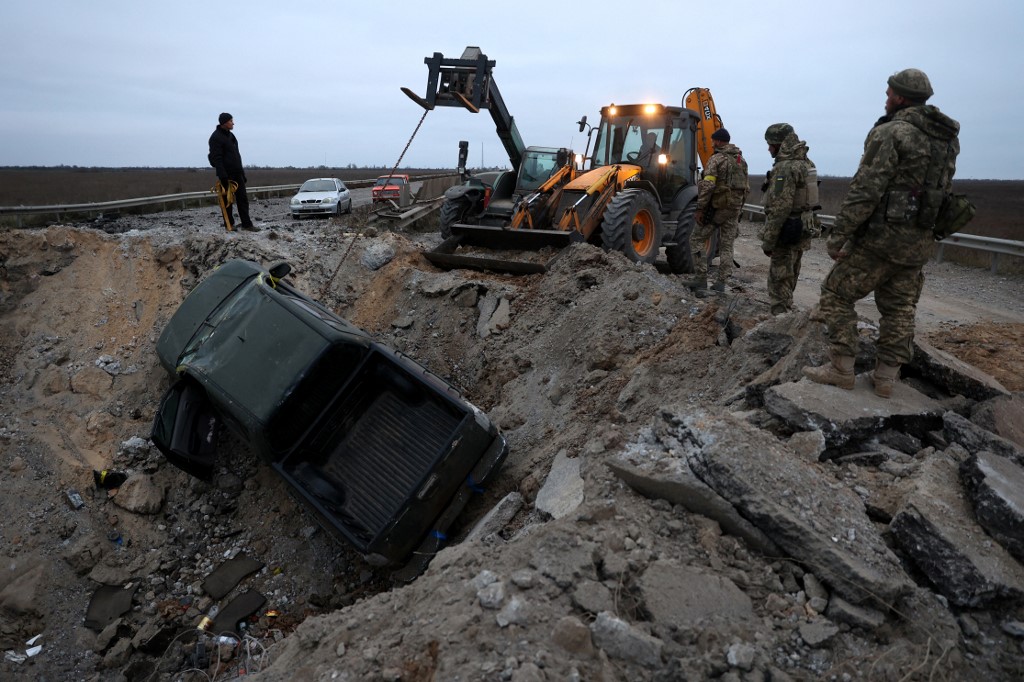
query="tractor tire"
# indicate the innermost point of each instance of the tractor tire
(451, 212)
(632, 225)
(680, 258)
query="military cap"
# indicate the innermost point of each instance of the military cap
(776, 133)
(721, 135)
(912, 84)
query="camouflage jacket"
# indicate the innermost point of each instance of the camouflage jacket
(908, 157)
(787, 191)
(725, 183)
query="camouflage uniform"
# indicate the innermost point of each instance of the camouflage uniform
(720, 197)
(787, 200)
(877, 241)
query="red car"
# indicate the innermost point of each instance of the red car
(390, 187)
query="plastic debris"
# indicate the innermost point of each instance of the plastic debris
(108, 479)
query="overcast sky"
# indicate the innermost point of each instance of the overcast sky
(112, 83)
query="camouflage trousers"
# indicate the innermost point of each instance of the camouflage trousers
(897, 290)
(783, 272)
(727, 232)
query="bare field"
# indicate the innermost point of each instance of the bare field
(1000, 203)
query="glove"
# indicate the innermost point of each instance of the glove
(836, 247)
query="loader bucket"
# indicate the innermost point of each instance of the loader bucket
(521, 252)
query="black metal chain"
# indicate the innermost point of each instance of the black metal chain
(352, 242)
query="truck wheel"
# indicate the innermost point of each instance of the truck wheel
(632, 225)
(680, 258)
(451, 212)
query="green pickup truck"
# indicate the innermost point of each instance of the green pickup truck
(384, 452)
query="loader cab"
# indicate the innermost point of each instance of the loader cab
(538, 164)
(657, 138)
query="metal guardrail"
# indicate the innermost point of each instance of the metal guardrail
(166, 200)
(995, 247)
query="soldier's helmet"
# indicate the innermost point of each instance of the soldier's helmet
(776, 133)
(912, 84)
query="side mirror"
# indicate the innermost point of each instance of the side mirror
(583, 123)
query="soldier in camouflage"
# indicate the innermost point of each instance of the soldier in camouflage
(720, 197)
(882, 236)
(790, 222)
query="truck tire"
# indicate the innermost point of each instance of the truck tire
(452, 211)
(680, 258)
(632, 225)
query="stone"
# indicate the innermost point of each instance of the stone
(849, 416)
(681, 596)
(802, 509)
(995, 487)
(975, 439)
(572, 635)
(619, 639)
(935, 527)
(562, 492)
(953, 374)
(140, 494)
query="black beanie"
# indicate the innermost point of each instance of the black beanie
(721, 134)
(224, 118)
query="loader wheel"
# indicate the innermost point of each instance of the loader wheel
(680, 258)
(451, 212)
(632, 225)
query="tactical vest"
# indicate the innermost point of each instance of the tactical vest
(731, 188)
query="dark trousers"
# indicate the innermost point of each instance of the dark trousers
(242, 201)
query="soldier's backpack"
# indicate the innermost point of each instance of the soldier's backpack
(940, 211)
(955, 211)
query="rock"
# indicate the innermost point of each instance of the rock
(572, 635)
(841, 610)
(1003, 416)
(975, 439)
(682, 596)
(497, 518)
(953, 374)
(140, 494)
(562, 492)
(377, 255)
(995, 486)
(92, 381)
(844, 416)
(741, 656)
(657, 473)
(817, 633)
(592, 597)
(936, 529)
(20, 585)
(805, 512)
(621, 640)
(808, 444)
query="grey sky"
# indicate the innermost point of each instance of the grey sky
(112, 83)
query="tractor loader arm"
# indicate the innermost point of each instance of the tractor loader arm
(700, 100)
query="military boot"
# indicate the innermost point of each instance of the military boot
(884, 378)
(839, 372)
(697, 286)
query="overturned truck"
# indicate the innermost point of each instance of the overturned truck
(383, 451)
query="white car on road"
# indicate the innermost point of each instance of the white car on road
(321, 196)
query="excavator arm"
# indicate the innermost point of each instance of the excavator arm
(700, 100)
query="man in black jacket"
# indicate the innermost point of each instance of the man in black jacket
(226, 159)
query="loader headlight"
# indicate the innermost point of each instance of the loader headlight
(662, 159)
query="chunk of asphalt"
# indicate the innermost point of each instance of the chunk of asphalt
(226, 576)
(238, 609)
(108, 603)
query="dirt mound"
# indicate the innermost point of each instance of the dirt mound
(574, 365)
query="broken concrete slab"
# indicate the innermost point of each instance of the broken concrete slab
(497, 518)
(936, 529)
(995, 486)
(1003, 416)
(976, 439)
(815, 519)
(848, 416)
(953, 374)
(682, 596)
(562, 492)
(659, 473)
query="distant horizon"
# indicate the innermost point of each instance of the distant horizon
(373, 167)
